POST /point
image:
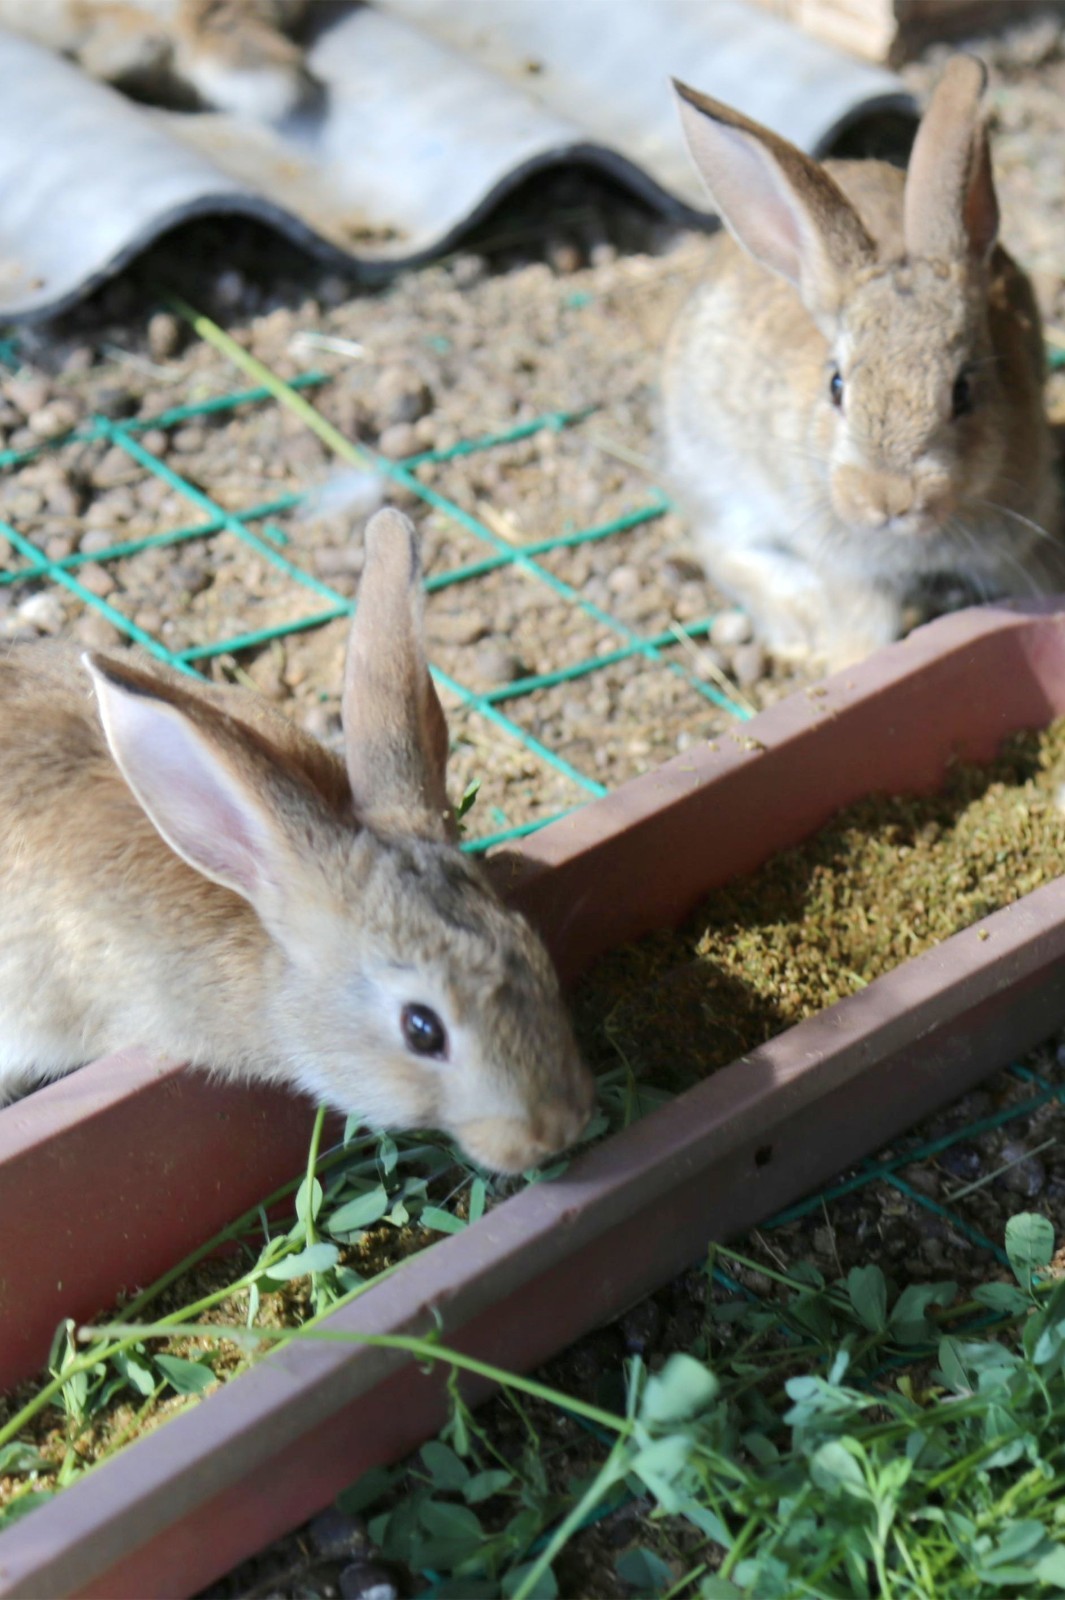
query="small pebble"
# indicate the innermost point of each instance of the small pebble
(58, 546)
(603, 254)
(1027, 1176)
(401, 394)
(95, 631)
(565, 257)
(115, 401)
(923, 1179)
(62, 494)
(729, 629)
(96, 579)
(43, 611)
(824, 1242)
(468, 270)
(193, 436)
(368, 1580)
(748, 665)
(267, 672)
(690, 602)
(191, 575)
(681, 569)
(335, 1535)
(496, 665)
(28, 391)
(641, 1327)
(114, 468)
(165, 333)
(334, 290)
(337, 561)
(79, 358)
(93, 540)
(458, 627)
(230, 287)
(25, 502)
(54, 419)
(624, 581)
(398, 440)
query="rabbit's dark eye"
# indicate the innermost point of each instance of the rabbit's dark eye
(835, 388)
(423, 1031)
(961, 399)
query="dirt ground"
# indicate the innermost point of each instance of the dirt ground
(561, 304)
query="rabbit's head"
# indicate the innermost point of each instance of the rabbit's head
(400, 988)
(908, 413)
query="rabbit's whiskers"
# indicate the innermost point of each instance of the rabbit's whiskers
(979, 541)
(1016, 516)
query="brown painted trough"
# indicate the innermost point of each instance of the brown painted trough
(107, 1177)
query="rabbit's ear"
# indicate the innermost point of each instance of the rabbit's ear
(201, 786)
(781, 206)
(951, 212)
(394, 728)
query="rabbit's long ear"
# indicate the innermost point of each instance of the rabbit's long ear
(781, 206)
(216, 799)
(394, 728)
(951, 212)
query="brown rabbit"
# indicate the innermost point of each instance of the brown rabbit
(853, 399)
(183, 868)
(234, 55)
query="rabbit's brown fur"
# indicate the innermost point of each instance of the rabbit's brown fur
(834, 522)
(234, 55)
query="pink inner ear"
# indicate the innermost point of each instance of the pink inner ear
(189, 792)
(211, 834)
(763, 214)
(748, 190)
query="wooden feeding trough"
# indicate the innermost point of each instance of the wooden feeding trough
(79, 1159)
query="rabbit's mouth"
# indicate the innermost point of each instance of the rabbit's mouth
(893, 505)
(917, 524)
(513, 1144)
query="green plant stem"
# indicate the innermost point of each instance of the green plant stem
(686, 1581)
(283, 392)
(612, 1469)
(739, 1545)
(312, 1171)
(422, 1349)
(131, 1335)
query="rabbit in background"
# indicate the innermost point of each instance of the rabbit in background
(853, 409)
(183, 868)
(232, 55)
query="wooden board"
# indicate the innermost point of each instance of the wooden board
(892, 30)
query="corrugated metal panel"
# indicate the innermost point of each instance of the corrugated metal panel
(430, 113)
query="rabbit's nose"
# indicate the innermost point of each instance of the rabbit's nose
(890, 497)
(561, 1124)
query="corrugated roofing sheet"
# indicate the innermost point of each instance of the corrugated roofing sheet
(430, 113)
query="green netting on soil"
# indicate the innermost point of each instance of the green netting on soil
(251, 525)
(30, 565)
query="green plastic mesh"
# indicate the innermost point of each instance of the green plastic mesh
(30, 565)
